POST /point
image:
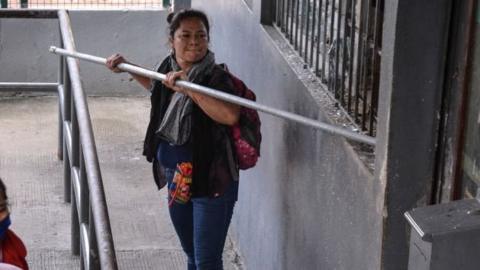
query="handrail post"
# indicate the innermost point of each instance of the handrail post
(67, 97)
(67, 175)
(84, 206)
(75, 237)
(84, 193)
(93, 252)
(60, 106)
(75, 158)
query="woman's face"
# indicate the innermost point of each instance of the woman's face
(190, 42)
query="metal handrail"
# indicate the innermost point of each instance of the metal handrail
(91, 232)
(28, 86)
(223, 96)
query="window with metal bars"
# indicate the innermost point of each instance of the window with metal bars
(340, 41)
(84, 4)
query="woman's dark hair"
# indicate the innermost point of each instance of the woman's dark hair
(174, 19)
(3, 192)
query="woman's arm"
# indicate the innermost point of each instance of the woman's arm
(114, 60)
(221, 111)
(144, 81)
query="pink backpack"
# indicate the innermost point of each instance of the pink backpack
(246, 133)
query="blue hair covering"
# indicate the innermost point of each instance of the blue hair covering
(4, 224)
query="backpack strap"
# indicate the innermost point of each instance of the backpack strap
(242, 89)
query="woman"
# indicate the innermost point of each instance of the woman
(13, 251)
(188, 140)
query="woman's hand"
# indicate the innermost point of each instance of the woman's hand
(220, 111)
(172, 77)
(113, 61)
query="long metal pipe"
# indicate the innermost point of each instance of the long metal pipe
(223, 96)
(28, 86)
(95, 184)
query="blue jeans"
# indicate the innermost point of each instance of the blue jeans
(202, 226)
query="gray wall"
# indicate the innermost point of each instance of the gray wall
(139, 35)
(310, 203)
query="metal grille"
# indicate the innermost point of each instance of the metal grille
(84, 4)
(340, 40)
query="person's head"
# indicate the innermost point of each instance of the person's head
(189, 35)
(4, 212)
(3, 200)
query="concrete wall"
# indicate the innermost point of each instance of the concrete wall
(310, 203)
(139, 35)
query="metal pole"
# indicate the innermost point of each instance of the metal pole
(84, 203)
(98, 202)
(75, 225)
(226, 97)
(31, 87)
(288, 21)
(307, 31)
(75, 165)
(67, 138)
(67, 175)
(84, 209)
(297, 17)
(60, 125)
(60, 106)
(93, 252)
(75, 157)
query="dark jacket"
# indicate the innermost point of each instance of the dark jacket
(214, 166)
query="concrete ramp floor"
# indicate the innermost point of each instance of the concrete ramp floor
(143, 235)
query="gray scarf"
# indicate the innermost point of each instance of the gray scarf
(176, 124)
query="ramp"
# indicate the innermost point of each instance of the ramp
(143, 235)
